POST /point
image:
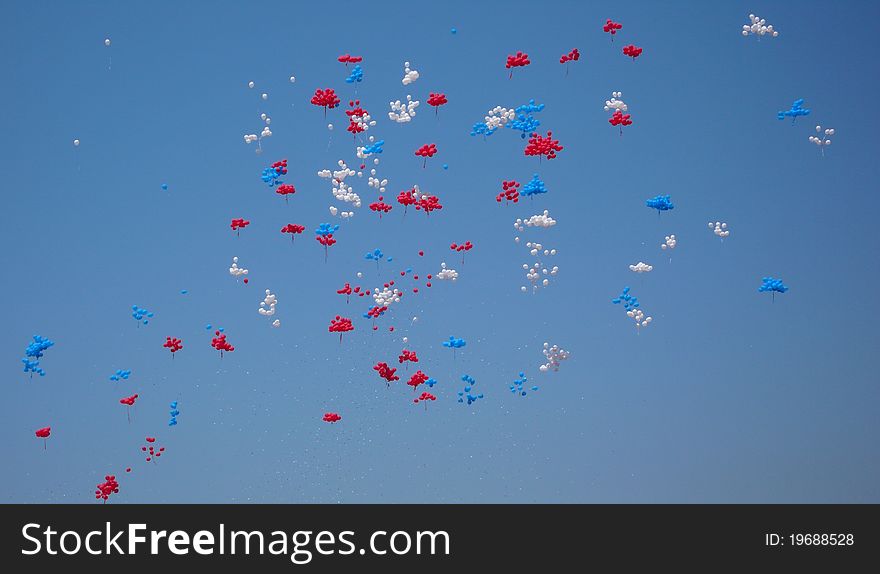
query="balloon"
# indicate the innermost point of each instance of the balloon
(173, 413)
(719, 229)
(611, 27)
(543, 146)
(235, 270)
(340, 325)
(518, 60)
(469, 383)
(107, 488)
(446, 273)
(407, 356)
(758, 27)
(141, 315)
(238, 224)
(554, 356)
(524, 121)
(173, 344)
(496, 118)
(331, 417)
(437, 100)
(417, 379)
(152, 450)
(271, 175)
(615, 103)
(326, 98)
(660, 203)
(409, 75)
(267, 305)
(669, 242)
(534, 187)
(219, 342)
(293, 229)
(250, 85)
(339, 188)
(403, 112)
(34, 351)
(356, 75)
(120, 374)
(632, 51)
(620, 119)
(797, 109)
(359, 120)
(772, 285)
(509, 192)
(572, 56)
(426, 151)
(819, 141)
(424, 397)
(543, 220)
(76, 143)
(632, 308)
(517, 388)
(107, 42)
(641, 267)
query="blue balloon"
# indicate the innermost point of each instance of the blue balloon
(165, 186)
(772, 285)
(326, 229)
(120, 374)
(375, 147)
(629, 302)
(517, 386)
(454, 343)
(141, 315)
(533, 187)
(183, 291)
(454, 31)
(524, 120)
(356, 75)
(796, 110)
(445, 166)
(375, 255)
(660, 203)
(466, 394)
(33, 352)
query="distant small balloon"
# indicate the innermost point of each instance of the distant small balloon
(250, 84)
(107, 42)
(292, 79)
(76, 143)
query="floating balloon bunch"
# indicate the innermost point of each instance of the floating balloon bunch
(668, 243)
(518, 386)
(220, 343)
(496, 118)
(462, 248)
(417, 379)
(238, 224)
(293, 229)
(454, 343)
(819, 141)
(535, 271)
(331, 417)
(128, 402)
(632, 51)
(44, 434)
(534, 187)
(326, 99)
(35, 351)
(374, 148)
(437, 100)
(107, 488)
(572, 56)
(380, 207)
(349, 59)
(719, 229)
(543, 146)
(641, 267)
(465, 393)
(386, 372)
(403, 112)
(407, 356)
(359, 119)
(334, 211)
(509, 192)
(631, 305)
(151, 450)
(271, 176)
(611, 27)
(446, 273)
(620, 120)
(428, 203)
(797, 109)
(120, 374)
(356, 76)
(615, 103)
(758, 27)
(340, 325)
(426, 151)
(525, 121)
(424, 398)
(267, 305)
(374, 255)
(284, 190)
(173, 413)
(541, 220)
(772, 285)
(518, 60)
(386, 296)
(409, 75)
(324, 236)
(660, 203)
(141, 315)
(237, 271)
(173, 344)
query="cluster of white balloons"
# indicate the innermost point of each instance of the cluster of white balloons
(340, 190)
(669, 242)
(759, 27)
(446, 273)
(235, 270)
(535, 271)
(386, 296)
(819, 140)
(498, 117)
(364, 122)
(267, 305)
(639, 317)
(719, 229)
(265, 133)
(554, 355)
(615, 103)
(542, 220)
(403, 112)
(359, 151)
(641, 267)
(409, 75)
(376, 183)
(334, 211)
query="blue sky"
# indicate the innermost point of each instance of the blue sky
(726, 397)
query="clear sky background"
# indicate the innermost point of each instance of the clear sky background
(726, 397)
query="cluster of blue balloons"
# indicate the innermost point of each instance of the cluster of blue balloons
(629, 302)
(375, 147)
(141, 315)
(174, 412)
(356, 75)
(482, 129)
(772, 285)
(33, 352)
(796, 110)
(271, 177)
(431, 383)
(326, 229)
(374, 255)
(120, 374)
(469, 383)
(660, 203)
(518, 384)
(208, 327)
(454, 343)
(533, 187)
(525, 121)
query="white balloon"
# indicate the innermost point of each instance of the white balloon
(76, 142)
(250, 84)
(107, 42)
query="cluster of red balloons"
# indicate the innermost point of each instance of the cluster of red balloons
(128, 401)
(280, 167)
(151, 451)
(632, 51)
(219, 342)
(428, 203)
(425, 397)
(406, 355)
(106, 488)
(426, 151)
(437, 100)
(349, 59)
(43, 433)
(340, 325)
(285, 189)
(355, 111)
(611, 27)
(620, 119)
(325, 99)
(543, 145)
(417, 379)
(293, 229)
(332, 417)
(407, 198)
(173, 344)
(380, 207)
(376, 312)
(386, 372)
(239, 224)
(466, 246)
(509, 191)
(572, 56)
(518, 60)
